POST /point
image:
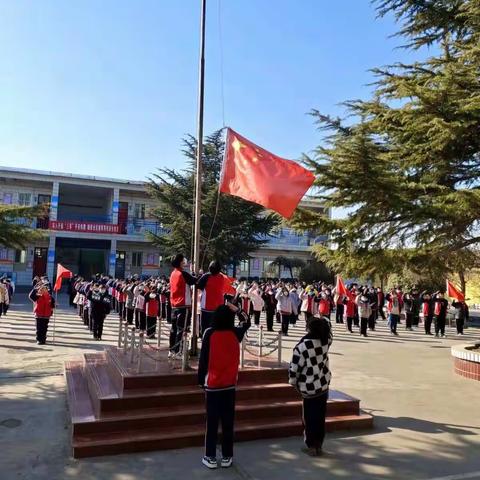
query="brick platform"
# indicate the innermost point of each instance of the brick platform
(466, 359)
(114, 410)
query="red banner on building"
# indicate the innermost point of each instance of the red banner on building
(75, 226)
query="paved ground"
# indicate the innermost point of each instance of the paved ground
(427, 420)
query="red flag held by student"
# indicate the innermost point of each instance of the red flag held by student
(256, 175)
(340, 287)
(454, 292)
(62, 272)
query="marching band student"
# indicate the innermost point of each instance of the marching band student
(364, 311)
(440, 313)
(255, 295)
(243, 299)
(212, 285)
(152, 311)
(373, 299)
(218, 375)
(270, 306)
(380, 303)
(339, 308)
(3, 298)
(460, 315)
(349, 312)
(44, 304)
(310, 374)
(296, 300)
(121, 301)
(140, 318)
(309, 306)
(427, 309)
(416, 307)
(394, 308)
(408, 305)
(129, 299)
(325, 304)
(100, 304)
(287, 308)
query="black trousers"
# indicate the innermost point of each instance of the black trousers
(339, 313)
(98, 325)
(363, 326)
(314, 412)
(42, 327)
(371, 321)
(380, 312)
(408, 320)
(286, 320)
(270, 314)
(1, 309)
(220, 409)
(460, 322)
(415, 319)
(205, 321)
(130, 312)
(179, 320)
(356, 320)
(151, 326)
(427, 322)
(256, 316)
(121, 310)
(350, 323)
(142, 320)
(440, 325)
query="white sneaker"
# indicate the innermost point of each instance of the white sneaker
(444, 336)
(210, 462)
(227, 462)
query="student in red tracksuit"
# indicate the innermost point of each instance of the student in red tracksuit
(212, 285)
(43, 309)
(152, 311)
(180, 299)
(349, 311)
(217, 374)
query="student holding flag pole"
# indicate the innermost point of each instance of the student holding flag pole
(62, 273)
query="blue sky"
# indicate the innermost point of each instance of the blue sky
(108, 87)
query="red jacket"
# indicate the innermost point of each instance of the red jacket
(213, 287)
(43, 304)
(180, 294)
(152, 305)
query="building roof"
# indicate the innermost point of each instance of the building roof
(71, 176)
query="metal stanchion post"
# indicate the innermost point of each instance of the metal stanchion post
(260, 347)
(280, 348)
(159, 331)
(125, 337)
(120, 333)
(242, 353)
(132, 346)
(141, 340)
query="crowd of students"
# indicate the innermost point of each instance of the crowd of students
(142, 301)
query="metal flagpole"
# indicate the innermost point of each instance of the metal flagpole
(55, 314)
(198, 182)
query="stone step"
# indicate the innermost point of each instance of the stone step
(110, 443)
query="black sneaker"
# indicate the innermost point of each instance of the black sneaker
(210, 462)
(226, 462)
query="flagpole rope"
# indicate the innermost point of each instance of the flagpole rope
(220, 43)
(222, 97)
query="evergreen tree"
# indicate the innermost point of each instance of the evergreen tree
(407, 167)
(228, 233)
(15, 225)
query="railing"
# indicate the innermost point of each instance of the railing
(81, 217)
(136, 347)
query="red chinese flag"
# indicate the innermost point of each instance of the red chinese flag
(252, 173)
(228, 288)
(453, 292)
(62, 272)
(340, 287)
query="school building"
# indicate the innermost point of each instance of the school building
(99, 225)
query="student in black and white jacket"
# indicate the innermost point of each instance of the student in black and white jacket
(310, 374)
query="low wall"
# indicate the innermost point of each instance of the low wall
(466, 360)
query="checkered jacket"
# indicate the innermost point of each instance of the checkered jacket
(309, 371)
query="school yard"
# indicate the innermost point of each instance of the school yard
(427, 420)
